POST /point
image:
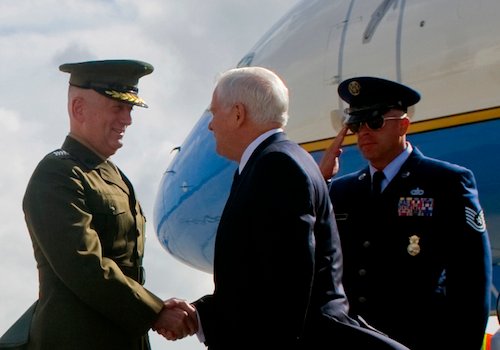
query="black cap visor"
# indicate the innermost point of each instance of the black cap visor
(362, 114)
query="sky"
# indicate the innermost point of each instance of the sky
(188, 42)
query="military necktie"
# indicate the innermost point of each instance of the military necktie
(378, 177)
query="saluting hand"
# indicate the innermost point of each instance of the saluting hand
(329, 163)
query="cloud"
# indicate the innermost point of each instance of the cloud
(188, 42)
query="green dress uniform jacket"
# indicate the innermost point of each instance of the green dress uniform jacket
(87, 230)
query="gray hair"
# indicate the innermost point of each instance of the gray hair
(260, 90)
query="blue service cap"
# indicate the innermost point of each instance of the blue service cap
(116, 79)
(369, 97)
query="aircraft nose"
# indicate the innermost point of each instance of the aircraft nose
(189, 203)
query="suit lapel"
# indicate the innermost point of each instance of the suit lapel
(365, 179)
(238, 180)
(107, 170)
(110, 173)
(279, 136)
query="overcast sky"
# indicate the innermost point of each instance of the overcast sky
(187, 41)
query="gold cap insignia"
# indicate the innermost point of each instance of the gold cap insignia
(126, 97)
(354, 88)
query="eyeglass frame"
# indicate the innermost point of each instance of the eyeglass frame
(356, 126)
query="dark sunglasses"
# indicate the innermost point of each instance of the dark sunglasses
(376, 121)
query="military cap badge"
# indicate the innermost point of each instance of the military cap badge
(116, 79)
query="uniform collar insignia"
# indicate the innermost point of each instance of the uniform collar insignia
(60, 153)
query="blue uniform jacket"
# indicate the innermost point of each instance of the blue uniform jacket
(417, 261)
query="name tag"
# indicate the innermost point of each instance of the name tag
(341, 217)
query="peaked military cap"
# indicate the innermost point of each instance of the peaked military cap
(370, 96)
(116, 79)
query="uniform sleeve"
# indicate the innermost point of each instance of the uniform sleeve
(60, 224)
(469, 271)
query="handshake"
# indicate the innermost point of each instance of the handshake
(176, 320)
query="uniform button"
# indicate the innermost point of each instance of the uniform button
(362, 299)
(366, 244)
(362, 272)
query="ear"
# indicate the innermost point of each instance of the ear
(240, 113)
(77, 108)
(404, 126)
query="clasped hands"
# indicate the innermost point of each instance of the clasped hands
(176, 320)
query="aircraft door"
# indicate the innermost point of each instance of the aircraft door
(371, 35)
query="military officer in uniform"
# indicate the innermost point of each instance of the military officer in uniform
(87, 227)
(417, 262)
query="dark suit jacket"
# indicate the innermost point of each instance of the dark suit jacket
(278, 263)
(417, 260)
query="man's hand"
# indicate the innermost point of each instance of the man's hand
(329, 164)
(176, 320)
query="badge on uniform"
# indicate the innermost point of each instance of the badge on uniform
(415, 206)
(413, 248)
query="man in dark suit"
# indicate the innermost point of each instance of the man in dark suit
(87, 226)
(278, 263)
(417, 262)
